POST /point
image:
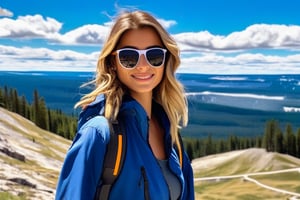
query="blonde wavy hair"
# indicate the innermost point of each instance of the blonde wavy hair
(169, 93)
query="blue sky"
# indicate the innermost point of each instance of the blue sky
(216, 36)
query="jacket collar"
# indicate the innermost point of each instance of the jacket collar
(133, 110)
(130, 110)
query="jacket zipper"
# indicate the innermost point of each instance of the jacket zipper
(146, 183)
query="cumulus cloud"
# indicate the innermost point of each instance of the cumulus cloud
(5, 13)
(167, 23)
(258, 36)
(202, 51)
(245, 63)
(43, 53)
(29, 27)
(88, 34)
(28, 58)
(36, 26)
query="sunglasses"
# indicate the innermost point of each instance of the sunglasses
(129, 57)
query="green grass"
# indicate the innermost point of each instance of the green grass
(8, 196)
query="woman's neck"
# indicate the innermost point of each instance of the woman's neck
(145, 100)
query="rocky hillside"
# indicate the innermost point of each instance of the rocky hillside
(30, 158)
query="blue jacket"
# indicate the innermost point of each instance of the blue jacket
(83, 163)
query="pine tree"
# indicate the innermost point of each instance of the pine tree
(43, 115)
(221, 146)
(1, 97)
(290, 141)
(23, 107)
(209, 147)
(36, 108)
(189, 150)
(298, 143)
(5, 98)
(233, 143)
(40, 111)
(15, 101)
(258, 142)
(279, 142)
(269, 136)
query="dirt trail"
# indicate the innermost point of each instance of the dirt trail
(246, 177)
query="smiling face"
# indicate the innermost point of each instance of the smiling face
(142, 79)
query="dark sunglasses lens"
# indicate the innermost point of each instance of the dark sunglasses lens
(128, 58)
(155, 57)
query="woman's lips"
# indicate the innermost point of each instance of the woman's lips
(142, 76)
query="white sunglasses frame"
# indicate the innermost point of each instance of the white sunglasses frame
(140, 52)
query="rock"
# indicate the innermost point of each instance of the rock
(22, 181)
(13, 154)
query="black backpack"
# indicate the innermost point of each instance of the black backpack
(114, 157)
(113, 160)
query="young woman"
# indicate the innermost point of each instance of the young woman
(136, 83)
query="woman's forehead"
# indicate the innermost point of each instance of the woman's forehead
(140, 38)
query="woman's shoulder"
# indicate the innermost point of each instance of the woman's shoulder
(97, 121)
(96, 127)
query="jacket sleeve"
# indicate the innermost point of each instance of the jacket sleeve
(189, 193)
(83, 162)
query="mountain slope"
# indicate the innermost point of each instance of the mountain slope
(242, 162)
(30, 158)
(247, 174)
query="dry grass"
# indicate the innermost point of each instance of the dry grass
(235, 189)
(287, 181)
(245, 162)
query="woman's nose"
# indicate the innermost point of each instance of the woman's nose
(142, 64)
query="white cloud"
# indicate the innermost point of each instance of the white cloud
(43, 53)
(32, 27)
(6, 13)
(26, 58)
(258, 36)
(244, 63)
(88, 34)
(29, 27)
(201, 50)
(167, 23)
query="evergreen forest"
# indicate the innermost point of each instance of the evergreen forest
(274, 139)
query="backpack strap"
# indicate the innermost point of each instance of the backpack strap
(113, 160)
